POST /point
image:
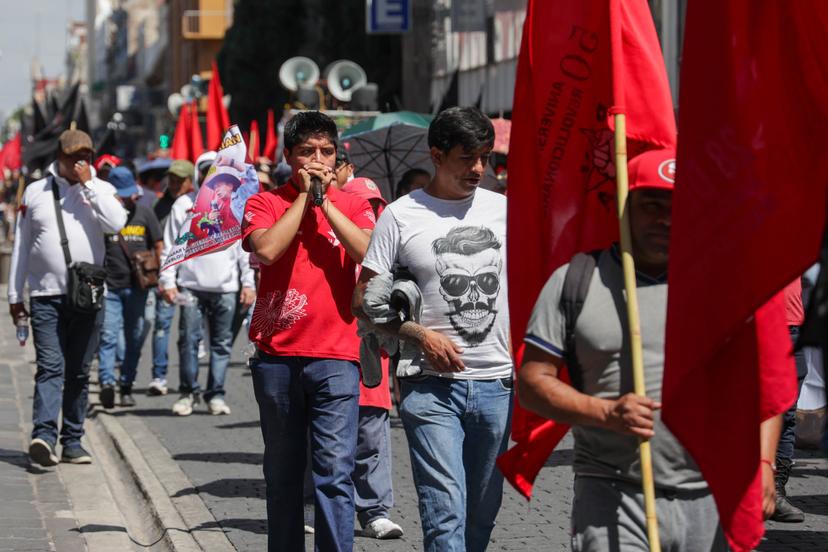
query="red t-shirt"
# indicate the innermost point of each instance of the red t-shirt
(794, 310)
(303, 304)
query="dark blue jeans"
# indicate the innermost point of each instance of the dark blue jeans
(124, 314)
(302, 397)
(65, 343)
(164, 313)
(785, 449)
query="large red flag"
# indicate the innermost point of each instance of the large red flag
(218, 120)
(561, 159)
(181, 138)
(271, 139)
(196, 142)
(748, 216)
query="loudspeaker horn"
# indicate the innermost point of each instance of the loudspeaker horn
(298, 72)
(174, 103)
(343, 77)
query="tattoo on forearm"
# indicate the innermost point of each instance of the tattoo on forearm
(412, 330)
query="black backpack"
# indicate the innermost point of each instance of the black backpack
(574, 293)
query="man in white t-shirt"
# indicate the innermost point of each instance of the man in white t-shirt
(452, 237)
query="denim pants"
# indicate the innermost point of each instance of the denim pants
(218, 308)
(164, 313)
(456, 429)
(785, 449)
(373, 495)
(124, 313)
(301, 398)
(65, 343)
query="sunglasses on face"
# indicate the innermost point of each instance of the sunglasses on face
(458, 284)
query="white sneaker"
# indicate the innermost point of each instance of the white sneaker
(157, 387)
(202, 351)
(183, 406)
(217, 406)
(382, 528)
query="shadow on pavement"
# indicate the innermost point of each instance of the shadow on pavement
(811, 504)
(20, 459)
(240, 425)
(254, 458)
(791, 540)
(228, 488)
(100, 528)
(257, 526)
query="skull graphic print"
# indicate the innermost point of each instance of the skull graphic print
(469, 263)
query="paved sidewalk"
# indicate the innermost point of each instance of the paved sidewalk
(222, 456)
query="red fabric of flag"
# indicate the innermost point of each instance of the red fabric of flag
(196, 142)
(218, 120)
(12, 154)
(271, 139)
(253, 144)
(181, 137)
(748, 217)
(561, 159)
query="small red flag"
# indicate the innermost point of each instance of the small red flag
(196, 142)
(12, 154)
(253, 145)
(181, 138)
(561, 158)
(218, 120)
(751, 184)
(271, 139)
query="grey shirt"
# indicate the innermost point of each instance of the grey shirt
(603, 351)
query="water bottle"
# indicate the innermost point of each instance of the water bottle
(22, 329)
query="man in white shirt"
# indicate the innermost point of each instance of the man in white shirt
(451, 236)
(65, 340)
(212, 283)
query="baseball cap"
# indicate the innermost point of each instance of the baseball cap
(107, 159)
(73, 141)
(124, 182)
(364, 188)
(181, 168)
(653, 169)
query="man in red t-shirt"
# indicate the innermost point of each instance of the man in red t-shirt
(305, 372)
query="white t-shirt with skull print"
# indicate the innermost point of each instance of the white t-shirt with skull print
(456, 250)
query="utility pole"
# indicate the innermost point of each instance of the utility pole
(417, 65)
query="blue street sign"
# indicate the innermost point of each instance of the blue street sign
(388, 16)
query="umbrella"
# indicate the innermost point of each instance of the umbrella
(384, 147)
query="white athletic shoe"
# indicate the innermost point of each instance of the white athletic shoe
(217, 406)
(184, 405)
(157, 387)
(382, 528)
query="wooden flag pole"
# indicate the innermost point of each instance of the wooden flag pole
(628, 265)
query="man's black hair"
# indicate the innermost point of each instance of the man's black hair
(306, 124)
(467, 126)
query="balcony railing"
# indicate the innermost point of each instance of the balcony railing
(205, 24)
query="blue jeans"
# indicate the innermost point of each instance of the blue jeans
(456, 429)
(218, 308)
(302, 397)
(373, 494)
(124, 312)
(65, 343)
(164, 313)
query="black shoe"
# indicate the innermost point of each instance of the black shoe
(42, 453)
(785, 511)
(75, 454)
(127, 400)
(108, 395)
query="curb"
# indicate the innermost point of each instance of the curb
(187, 524)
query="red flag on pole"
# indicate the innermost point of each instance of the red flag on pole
(752, 178)
(561, 163)
(271, 139)
(218, 120)
(253, 148)
(181, 139)
(196, 142)
(12, 154)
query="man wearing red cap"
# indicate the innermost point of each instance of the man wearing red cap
(607, 417)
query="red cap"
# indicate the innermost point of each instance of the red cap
(365, 188)
(107, 159)
(653, 169)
